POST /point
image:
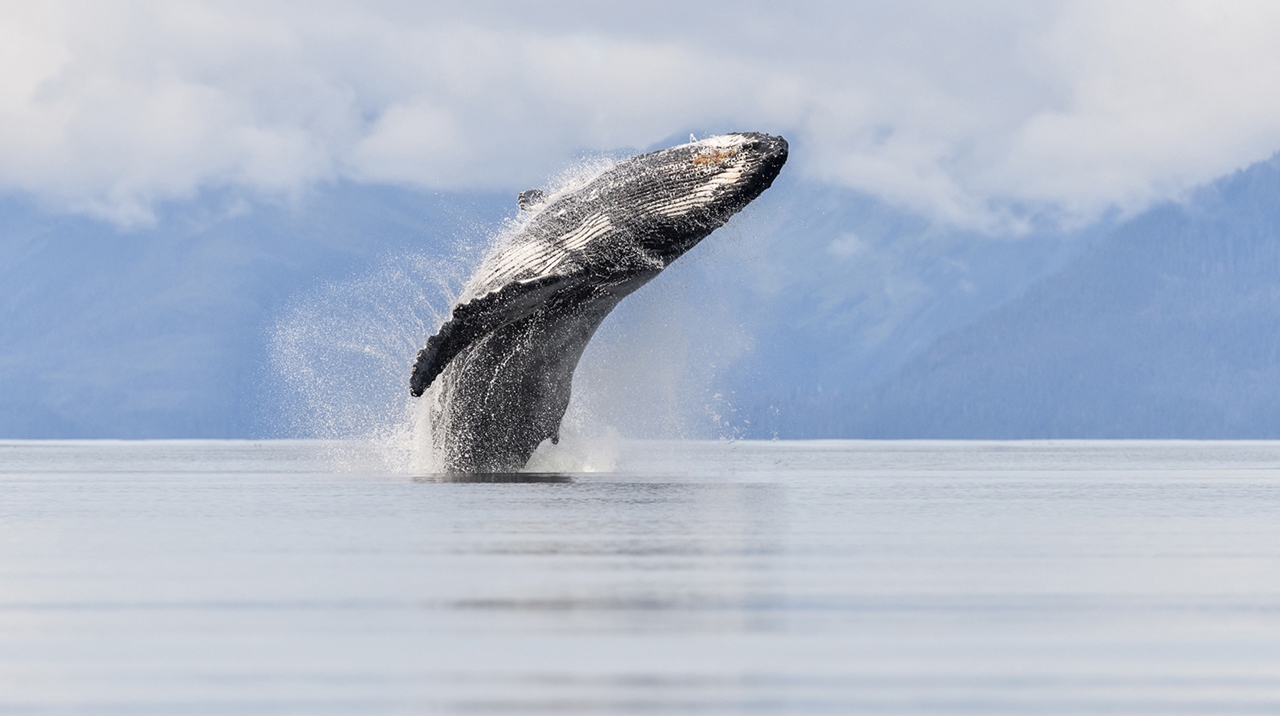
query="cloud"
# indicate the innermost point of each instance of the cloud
(983, 114)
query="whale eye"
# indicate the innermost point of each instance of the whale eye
(530, 199)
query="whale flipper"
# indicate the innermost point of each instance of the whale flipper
(482, 316)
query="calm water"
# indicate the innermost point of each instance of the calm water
(706, 578)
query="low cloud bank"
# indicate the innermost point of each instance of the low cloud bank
(990, 116)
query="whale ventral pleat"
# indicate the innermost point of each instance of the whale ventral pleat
(530, 199)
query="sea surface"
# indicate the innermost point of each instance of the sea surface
(219, 577)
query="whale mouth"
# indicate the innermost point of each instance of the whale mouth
(749, 160)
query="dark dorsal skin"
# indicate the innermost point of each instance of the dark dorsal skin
(501, 368)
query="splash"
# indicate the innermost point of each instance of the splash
(342, 354)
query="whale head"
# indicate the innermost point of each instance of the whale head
(637, 216)
(677, 196)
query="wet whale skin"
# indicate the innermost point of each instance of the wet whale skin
(499, 372)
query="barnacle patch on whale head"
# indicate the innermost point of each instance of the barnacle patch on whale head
(714, 156)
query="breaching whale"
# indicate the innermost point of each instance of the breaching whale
(502, 364)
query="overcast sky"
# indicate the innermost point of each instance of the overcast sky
(977, 114)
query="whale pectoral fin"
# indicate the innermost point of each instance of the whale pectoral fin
(433, 358)
(479, 317)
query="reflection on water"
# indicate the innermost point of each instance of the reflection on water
(719, 578)
(516, 477)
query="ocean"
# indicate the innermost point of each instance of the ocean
(824, 577)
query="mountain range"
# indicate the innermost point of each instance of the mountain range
(1167, 328)
(820, 312)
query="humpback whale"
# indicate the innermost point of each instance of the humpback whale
(500, 368)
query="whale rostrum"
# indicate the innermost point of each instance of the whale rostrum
(501, 367)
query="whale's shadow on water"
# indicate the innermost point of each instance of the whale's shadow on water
(505, 477)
